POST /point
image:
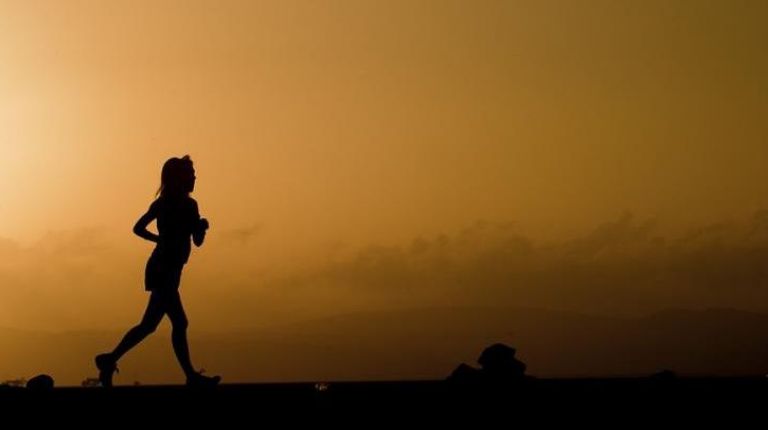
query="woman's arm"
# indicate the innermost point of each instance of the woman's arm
(198, 233)
(198, 236)
(140, 229)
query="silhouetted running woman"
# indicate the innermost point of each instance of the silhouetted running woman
(178, 220)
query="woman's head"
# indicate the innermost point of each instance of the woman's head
(177, 177)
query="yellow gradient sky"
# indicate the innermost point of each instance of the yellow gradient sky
(320, 128)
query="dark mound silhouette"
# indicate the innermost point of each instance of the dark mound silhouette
(498, 367)
(40, 383)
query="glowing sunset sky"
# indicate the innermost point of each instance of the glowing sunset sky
(322, 128)
(367, 120)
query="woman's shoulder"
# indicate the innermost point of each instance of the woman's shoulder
(187, 203)
(156, 204)
(175, 203)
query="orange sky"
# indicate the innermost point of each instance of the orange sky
(369, 121)
(323, 129)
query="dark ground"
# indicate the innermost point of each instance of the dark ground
(735, 402)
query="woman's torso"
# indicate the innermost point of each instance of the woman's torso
(177, 218)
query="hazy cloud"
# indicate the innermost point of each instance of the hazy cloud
(241, 236)
(622, 267)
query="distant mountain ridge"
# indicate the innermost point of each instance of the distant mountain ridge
(418, 344)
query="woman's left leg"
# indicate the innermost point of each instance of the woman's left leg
(179, 324)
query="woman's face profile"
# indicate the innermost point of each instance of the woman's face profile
(190, 179)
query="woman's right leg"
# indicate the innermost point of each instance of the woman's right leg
(107, 363)
(152, 317)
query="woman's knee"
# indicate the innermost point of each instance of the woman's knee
(146, 327)
(179, 323)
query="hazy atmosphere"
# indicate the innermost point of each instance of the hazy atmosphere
(358, 159)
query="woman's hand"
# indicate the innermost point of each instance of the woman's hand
(198, 236)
